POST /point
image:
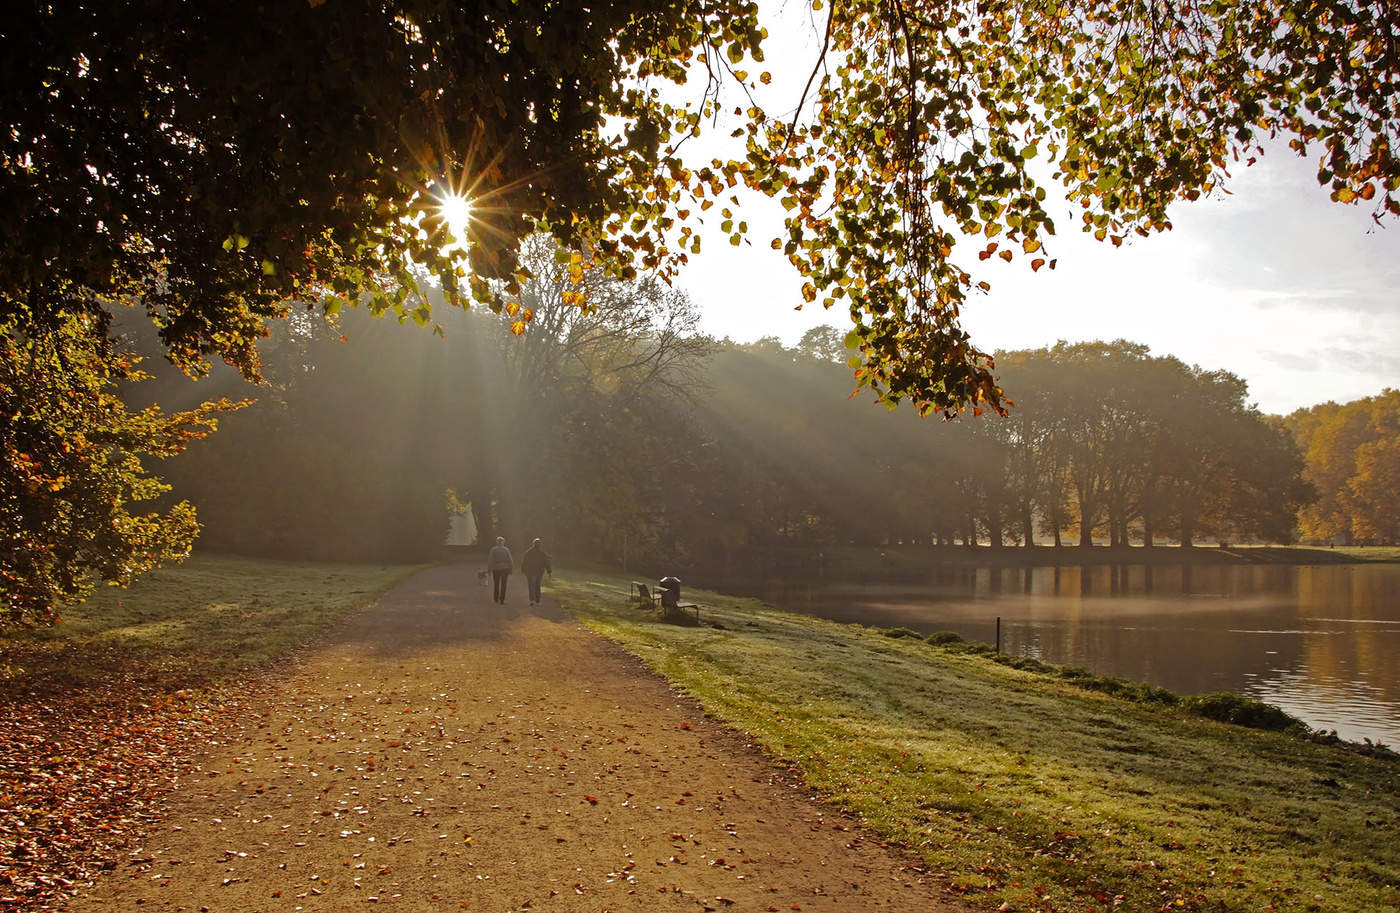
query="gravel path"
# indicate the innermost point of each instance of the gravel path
(439, 752)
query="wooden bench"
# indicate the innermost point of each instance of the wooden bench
(644, 593)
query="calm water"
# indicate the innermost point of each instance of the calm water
(1323, 643)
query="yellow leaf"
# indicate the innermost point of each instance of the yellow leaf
(517, 327)
(809, 292)
(1030, 246)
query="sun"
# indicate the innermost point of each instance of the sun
(456, 211)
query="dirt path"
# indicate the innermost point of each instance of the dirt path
(440, 752)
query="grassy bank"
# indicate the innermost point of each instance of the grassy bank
(1027, 791)
(213, 615)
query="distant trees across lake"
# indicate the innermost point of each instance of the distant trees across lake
(626, 436)
(1353, 462)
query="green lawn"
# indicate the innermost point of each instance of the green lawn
(213, 615)
(1024, 789)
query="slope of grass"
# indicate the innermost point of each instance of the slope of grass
(1028, 792)
(214, 615)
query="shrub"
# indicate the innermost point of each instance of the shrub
(1242, 711)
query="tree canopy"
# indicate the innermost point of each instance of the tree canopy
(213, 165)
(1353, 459)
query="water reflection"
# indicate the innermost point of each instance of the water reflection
(1320, 642)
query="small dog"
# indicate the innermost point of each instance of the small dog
(481, 577)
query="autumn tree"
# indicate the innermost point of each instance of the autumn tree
(71, 502)
(1351, 458)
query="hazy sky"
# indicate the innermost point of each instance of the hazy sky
(1274, 282)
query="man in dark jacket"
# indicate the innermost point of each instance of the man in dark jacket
(533, 565)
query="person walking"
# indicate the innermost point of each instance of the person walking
(500, 563)
(533, 564)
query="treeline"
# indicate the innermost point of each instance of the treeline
(1106, 444)
(1353, 463)
(624, 435)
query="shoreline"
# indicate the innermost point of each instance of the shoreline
(914, 563)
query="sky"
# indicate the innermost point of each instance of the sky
(1296, 294)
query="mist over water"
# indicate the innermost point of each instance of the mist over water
(1321, 642)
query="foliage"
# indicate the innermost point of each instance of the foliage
(215, 166)
(341, 458)
(950, 109)
(1231, 708)
(1353, 460)
(624, 437)
(180, 156)
(1033, 793)
(74, 453)
(1141, 444)
(552, 434)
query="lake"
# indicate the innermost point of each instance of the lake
(1321, 642)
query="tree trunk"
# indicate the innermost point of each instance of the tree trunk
(1027, 526)
(994, 531)
(1086, 525)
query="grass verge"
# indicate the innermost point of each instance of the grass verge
(213, 615)
(1026, 791)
